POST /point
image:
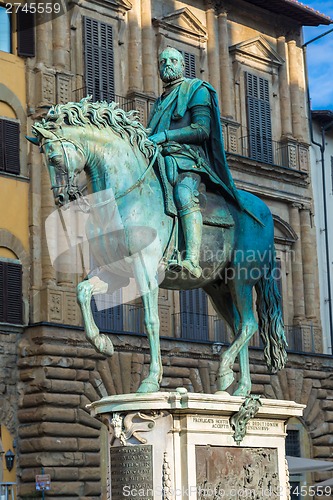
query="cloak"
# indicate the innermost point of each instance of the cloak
(174, 106)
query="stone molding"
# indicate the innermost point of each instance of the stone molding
(121, 6)
(10, 241)
(181, 24)
(290, 235)
(8, 96)
(257, 50)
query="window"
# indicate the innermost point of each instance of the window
(25, 33)
(5, 30)
(293, 444)
(99, 60)
(9, 146)
(190, 70)
(11, 293)
(194, 315)
(258, 118)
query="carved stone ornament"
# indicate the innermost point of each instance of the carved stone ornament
(124, 428)
(166, 479)
(239, 420)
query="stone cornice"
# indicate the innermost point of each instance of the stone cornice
(120, 6)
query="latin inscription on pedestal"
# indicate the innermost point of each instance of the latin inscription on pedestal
(233, 472)
(131, 472)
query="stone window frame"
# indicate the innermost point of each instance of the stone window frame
(258, 57)
(112, 12)
(296, 424)
(12, 243)
(11, 99)
(192, 39)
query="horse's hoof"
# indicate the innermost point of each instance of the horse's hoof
(103, 345)
(147, 386)
(242, 390)
(225, 380)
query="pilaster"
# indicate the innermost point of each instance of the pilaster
(134, 48)
(148, 60)
(294, 90)
(286, 125)
(297, 265)
(213, 47)
(308, 257)
(225, 70)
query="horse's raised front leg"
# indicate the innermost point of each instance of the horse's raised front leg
(242, 296)
(85, 290)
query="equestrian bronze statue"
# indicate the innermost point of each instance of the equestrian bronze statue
(173, 184)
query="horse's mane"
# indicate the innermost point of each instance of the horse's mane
(101, 114)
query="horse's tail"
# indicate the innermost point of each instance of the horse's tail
(271, 327)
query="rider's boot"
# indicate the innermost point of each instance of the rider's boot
(192, 228)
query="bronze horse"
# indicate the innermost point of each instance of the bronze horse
(113, 150)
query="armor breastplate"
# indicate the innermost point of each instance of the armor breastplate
(185, 121)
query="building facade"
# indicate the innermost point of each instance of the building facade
(322, 182)
(252, 54)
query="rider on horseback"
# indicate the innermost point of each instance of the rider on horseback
(186, 122)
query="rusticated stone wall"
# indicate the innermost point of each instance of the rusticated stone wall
(8, 381)
(60, 374)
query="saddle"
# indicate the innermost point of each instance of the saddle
(214, 209)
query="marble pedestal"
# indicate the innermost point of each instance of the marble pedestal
(179, 445)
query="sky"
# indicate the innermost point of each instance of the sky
(320, 58)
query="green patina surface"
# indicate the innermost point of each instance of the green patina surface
(131, 232)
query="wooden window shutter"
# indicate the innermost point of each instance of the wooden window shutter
(9, 146)
(25, 33)
(259, 118)
(193, 314)
(11, 293)
(190, 69)
(99, 60)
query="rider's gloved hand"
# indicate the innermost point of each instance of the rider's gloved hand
(159, 138)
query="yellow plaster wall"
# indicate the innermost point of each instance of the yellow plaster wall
(7, 444)
(6, 110)
(6, 253)
(14, 208)
(12, 74)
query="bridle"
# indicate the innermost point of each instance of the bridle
(72, 188)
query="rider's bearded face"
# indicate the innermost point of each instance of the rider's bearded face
(171, 65)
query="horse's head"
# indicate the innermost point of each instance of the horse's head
(65, 160)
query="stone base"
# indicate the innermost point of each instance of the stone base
(179, 445)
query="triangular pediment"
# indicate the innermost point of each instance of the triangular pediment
(258, 48)
(115, 4)
(183, 22)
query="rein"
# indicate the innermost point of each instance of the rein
(134, 186)
(72, 188)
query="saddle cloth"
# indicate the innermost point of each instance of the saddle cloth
(214, 209)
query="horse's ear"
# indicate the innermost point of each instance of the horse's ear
(34, 140)
(42, 133)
